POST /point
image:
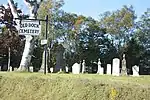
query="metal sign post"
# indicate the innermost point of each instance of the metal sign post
(45, 65)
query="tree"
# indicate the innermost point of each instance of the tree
(142, 36)
(120, 25)
(50, 8)
(10, 42)
(33, 7)
(134, 52)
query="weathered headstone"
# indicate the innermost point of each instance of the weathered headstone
(83, 66)
(60, 70)
(124, 69)
(15, 69)
(99, 66)
(108, 69)
(59, 57)
(135, 70)
(11, 69)
(76, 68)
(67, 69)
(116, 67)
(30, 68)
(51, 69)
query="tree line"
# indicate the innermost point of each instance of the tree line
(114, 34)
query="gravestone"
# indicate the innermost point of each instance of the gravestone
(51, 69)
(67, 69)
(0, 68)
(108, 69)
(101, 71)
(83, 66)
(76, 68)
(100, 68)
(10, 69)
(59, 57)
(124, 69)
(135, 70)
(60, 70)
(116, 67)
(15, 69)
(30, 68)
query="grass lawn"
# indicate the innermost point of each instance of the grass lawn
(37, 86)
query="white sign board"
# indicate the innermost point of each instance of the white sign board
(29, 27)
(43, 42)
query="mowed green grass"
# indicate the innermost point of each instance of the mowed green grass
(37, 86)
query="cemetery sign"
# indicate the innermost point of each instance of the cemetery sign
(29, 27)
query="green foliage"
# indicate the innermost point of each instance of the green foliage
(120, 25)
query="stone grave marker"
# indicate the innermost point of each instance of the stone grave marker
(51, 69)
(108, 69)
(11, 69)
(124, 69)
(116, 67)
(15, 69)
(67, 69)
(83, 66)
(135, 70)
(30, 68)
(99, 66)
(76, 68)
(59, 57)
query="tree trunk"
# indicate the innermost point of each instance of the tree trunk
(29, 46)
(26, 57)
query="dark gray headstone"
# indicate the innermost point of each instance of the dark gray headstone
(59, 58)
(124, 68)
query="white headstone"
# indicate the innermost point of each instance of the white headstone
(31, 68)
(51, 69)
(99, 66)
(67, 69)
(83, 66)
(116, 67)
(108, 69)
(60, 70)
(135, 70)
(101, 71)
(10, 69)
(15, 69)
(76, 68)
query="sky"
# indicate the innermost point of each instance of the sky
(94, 8)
